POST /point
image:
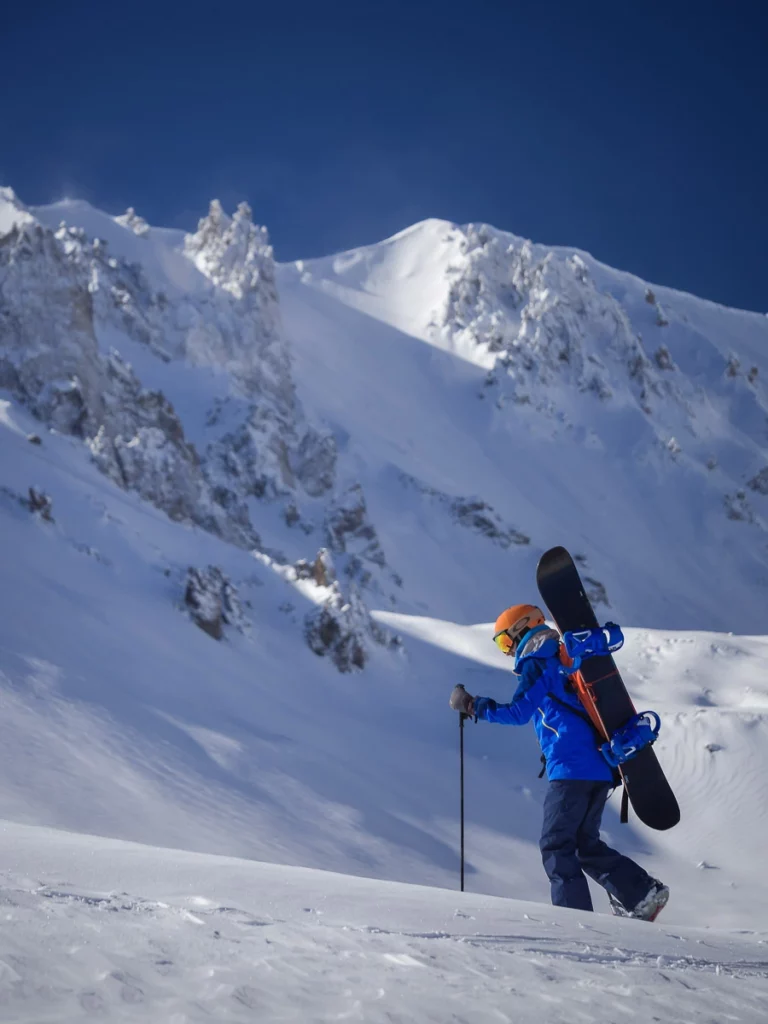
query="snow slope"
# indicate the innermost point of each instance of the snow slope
(124, 932)
(120, 718)
(541, 390)
(405, 407)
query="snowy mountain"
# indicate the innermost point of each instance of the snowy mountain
(342, 470)
(578, 403)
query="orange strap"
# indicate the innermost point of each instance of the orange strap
(586, 696)
(584, 693)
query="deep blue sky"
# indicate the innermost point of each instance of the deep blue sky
(634, 130)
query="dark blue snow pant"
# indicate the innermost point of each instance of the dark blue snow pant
(571, 845)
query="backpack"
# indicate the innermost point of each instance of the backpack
(640, 731)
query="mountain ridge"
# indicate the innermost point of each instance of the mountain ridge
(256, 528)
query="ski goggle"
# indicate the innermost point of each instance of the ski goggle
(506, 643)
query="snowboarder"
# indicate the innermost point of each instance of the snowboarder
(580, 779)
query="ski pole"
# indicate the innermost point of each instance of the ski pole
(461, 791)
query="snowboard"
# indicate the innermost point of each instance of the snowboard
(603, 692)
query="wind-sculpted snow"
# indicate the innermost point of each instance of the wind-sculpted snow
(125, 932)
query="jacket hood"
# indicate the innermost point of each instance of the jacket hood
(539, 642)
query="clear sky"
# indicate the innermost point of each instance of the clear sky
(634, 130)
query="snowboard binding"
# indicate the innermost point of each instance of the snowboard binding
(591, 643)
(640, 731)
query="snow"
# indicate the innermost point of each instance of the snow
(12, 212)
(121, 718)
(556, 446)
(157, 252)
(389, 401)
(397, 281)
(126, 932)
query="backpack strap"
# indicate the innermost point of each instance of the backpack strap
(575, 711)
(618, 780)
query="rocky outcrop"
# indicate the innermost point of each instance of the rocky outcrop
(352, 538)
(759, 482)
(537, 318)
(314, 462)
(342, 629)
(339, 626)
(472, 514)
(478, 516)
(738, 508)
(212, 601)
(596, 592)
(61, 290)
(273, 451)
(236, 323)
(69, 301)
(40, 504)
(49, 354)
(322, 571)
(131, 220)
(51, 359)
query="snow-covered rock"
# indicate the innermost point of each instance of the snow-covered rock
(213, 601)
(48, 347)
(341, 627)
(473, 514)
(131, 220)
(74, 307)
(66, 297)
(352, 537)
(322, 570)
(41, 504)
(545, 321)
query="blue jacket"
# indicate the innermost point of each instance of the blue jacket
(566, 737)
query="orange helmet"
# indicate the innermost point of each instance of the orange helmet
(513, 623)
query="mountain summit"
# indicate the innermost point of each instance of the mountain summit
(255, 520)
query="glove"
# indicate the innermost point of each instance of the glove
(462, 701)
(482, 706)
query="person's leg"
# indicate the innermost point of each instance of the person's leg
(565, 805)
(618, 875)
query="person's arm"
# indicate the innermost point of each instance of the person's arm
(520, 709)
(518, 712)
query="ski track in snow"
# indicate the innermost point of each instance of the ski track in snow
(185, 937)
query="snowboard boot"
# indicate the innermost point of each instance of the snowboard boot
(652, 904)
(649, 907)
